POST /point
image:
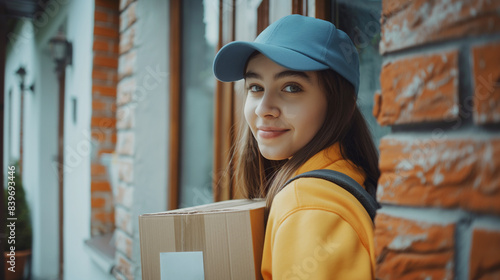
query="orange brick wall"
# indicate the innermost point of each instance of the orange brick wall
(440, 182)
(103, 123)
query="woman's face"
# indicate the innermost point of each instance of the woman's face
(283, 108)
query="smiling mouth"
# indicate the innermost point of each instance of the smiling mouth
(270, 133)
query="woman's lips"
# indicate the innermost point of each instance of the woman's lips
(270, 132)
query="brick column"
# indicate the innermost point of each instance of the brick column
(440, 182)
(104, 80)
(127, 72)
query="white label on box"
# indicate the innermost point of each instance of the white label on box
(182, 266)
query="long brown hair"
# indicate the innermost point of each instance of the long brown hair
(259, 177)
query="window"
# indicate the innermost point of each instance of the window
(361, 21)
(193, 40)
(199, 42)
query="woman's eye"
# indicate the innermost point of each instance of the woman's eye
(255, 88)
(292, 88)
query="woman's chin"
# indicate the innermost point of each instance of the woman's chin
(274, 155)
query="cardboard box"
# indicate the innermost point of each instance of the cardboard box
(230, 234)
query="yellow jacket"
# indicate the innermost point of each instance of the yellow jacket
(318, 231)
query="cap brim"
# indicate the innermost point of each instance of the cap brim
(230, 61)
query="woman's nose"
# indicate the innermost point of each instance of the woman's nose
(267, 106)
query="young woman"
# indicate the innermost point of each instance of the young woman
(302, 78)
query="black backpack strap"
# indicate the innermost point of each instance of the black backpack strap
(347, 183)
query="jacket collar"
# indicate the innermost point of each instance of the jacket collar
(331, 158)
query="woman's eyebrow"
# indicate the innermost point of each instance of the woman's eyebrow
(280, 75)
(253, 75)
(290, 73)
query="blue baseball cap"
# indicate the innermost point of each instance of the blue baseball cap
(295, 42)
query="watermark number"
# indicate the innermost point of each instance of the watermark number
(11, 219)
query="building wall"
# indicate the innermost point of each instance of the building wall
(142, 125)
(439, 185)
(27, 46)
(45, 209)
(12, 116)
(79, 145)
(21, 52)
